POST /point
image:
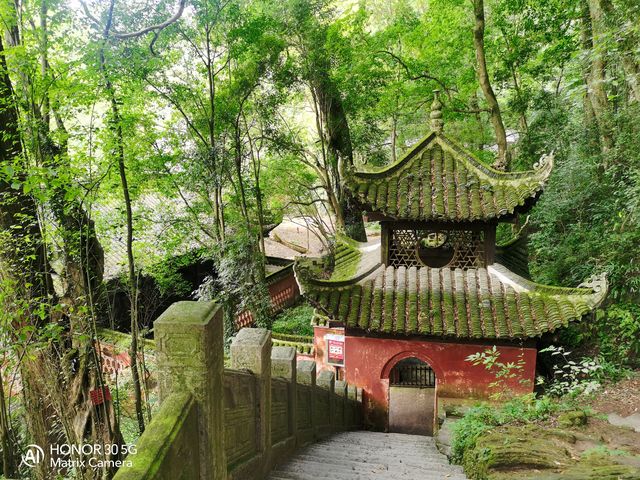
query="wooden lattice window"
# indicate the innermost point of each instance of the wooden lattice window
(437, 248)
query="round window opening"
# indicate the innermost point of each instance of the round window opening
(434, 250)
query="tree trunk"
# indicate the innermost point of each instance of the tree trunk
(502, 161)
(133, 284)
(8, 447)
(632, 74)
(337, 139)
(82, 254)
(23, 260)
(592, 133)
(116, 126)
(596, 81)
(628, 47)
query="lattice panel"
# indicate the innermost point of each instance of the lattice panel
(402, 251)
(467, 246)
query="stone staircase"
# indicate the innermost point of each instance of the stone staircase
(369, 455)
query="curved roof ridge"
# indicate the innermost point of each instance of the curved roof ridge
(361, 260)
(596, 285)
(404, 158)
(542, 168)
(437, 179)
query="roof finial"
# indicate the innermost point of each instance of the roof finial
(436, 113)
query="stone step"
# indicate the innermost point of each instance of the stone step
(338, 457)
(369, 456)
(351, 466)
(315, 475)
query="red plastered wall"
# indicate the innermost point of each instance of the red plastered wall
(370, 360)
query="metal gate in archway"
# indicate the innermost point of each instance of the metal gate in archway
(412, 397)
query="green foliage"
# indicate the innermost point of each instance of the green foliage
(482, 417)
(613, 332)
(571, 377)
(504, 373)
(618, 329)
(239, 283)
(294, 321)
(219, 141)
(167, 272)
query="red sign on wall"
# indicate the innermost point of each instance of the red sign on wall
(335, 349)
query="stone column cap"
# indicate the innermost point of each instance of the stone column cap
(326, 379)
(188, 313)
(306, 370)
(251, 336)
(283, 353)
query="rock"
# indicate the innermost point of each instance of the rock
(595, 466)
(443, 437)
(632, 421)
(516, 447)
(574, 418)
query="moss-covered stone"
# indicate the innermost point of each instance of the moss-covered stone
(594, 466)
(530, 446)
(574, 418)
(536, 452)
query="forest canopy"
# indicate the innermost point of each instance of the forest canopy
(136, 133)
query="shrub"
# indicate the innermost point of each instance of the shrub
(571, 377)
(619, 334)
(504, 373)
(295, 321)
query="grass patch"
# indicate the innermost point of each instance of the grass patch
(294, 321)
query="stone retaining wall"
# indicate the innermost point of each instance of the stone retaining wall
(235, 424)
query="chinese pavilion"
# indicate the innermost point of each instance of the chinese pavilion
(398, 316)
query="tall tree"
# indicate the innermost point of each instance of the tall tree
(306, 23)
(596, 24)
(502, 160)
(23, 262)
(71, 358)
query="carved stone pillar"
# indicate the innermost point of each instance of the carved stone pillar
(190, 357)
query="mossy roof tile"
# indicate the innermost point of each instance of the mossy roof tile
(439, 180)
(488, 303)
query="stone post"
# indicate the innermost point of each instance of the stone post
(251, 350)
(352, 394)
(326, 380)
(283, 364)
(190, 357)
(341, 392)
(306, 375)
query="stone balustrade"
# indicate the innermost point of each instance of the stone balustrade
(236, 424)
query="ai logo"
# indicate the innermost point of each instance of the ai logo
(33, 456)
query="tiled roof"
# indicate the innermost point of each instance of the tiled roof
(488, 303)
(439, 180)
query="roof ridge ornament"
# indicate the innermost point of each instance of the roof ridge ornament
(597, 282)
(544, 161)
(436, 113)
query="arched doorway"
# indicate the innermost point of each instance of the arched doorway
(412, 397)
